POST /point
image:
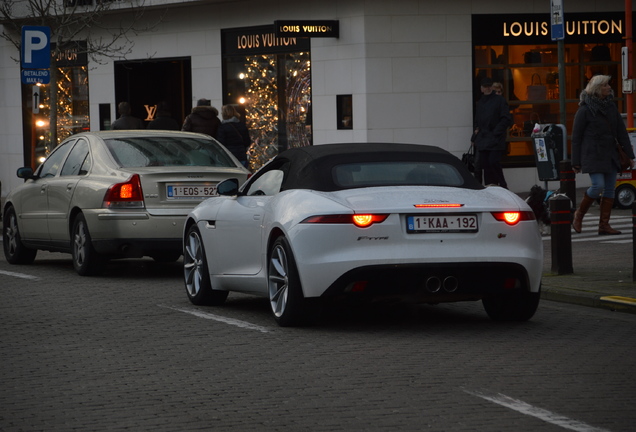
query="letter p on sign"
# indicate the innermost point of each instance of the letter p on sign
(36, 47)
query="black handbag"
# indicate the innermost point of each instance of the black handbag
(468, 158)
(625, 161)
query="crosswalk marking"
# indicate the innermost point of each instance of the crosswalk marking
(590, 231)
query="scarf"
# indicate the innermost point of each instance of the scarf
(596, 104)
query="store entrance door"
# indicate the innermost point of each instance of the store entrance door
(146, 83)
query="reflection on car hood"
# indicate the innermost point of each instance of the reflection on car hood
(404, 198)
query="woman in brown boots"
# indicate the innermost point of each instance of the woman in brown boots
(598, 127)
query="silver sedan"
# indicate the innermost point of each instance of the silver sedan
(114, 194)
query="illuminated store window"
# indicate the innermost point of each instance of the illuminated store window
(64, 101)
(519, 53)
(269, 80)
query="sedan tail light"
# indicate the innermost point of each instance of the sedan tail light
(513, 217)
(359, 220)
(125, 195)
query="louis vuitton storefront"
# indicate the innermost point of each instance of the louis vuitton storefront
(386, 74)
(517, 51)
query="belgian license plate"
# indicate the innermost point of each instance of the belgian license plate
(190, 191)
(465, 223)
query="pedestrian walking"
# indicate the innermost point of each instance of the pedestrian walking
(233, 133)
(492, 119)
(597, 132)
(204, 118)
(126, 120)
(164, 120)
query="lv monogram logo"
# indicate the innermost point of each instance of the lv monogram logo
(151, 110)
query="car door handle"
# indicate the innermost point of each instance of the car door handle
(69, 187)
(43, 189)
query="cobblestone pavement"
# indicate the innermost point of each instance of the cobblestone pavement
(126, 351)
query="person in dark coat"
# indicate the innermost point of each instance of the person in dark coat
(598, 128)
(164, 120)
(492, 119)
(233, 133)
(126, 120)
(204, 118)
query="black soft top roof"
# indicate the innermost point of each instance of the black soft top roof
(311, 167)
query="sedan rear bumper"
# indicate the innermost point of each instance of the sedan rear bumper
(135, 234)
(137, 248)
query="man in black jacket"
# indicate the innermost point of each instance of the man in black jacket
(492, 119)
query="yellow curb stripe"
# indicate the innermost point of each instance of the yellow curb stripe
(619, 299)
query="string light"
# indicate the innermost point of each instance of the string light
(262, 103)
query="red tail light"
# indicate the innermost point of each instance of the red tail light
(360, 220)
(125, 195)
(513, 217)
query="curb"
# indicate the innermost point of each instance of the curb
(589, 298)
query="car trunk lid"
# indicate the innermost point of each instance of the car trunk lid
(175, 190)
(410, 199)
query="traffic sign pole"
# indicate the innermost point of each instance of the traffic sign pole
(558, 34)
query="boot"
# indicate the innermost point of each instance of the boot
(577, 223)
(604, 227)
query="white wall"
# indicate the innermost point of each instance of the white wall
(11, 153)
(407, 64)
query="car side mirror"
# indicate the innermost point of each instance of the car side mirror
(25, 173)
(228, 187)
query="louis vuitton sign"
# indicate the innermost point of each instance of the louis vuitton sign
(307, 28)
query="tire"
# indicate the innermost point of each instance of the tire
(286, 299)
(14, 251)
(86, 261)
(625, 196)
(512, 306)
(196, 274)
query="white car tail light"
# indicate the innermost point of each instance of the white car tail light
(359, 220)
(513, 217)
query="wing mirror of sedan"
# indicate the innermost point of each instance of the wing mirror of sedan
(228, 187)
(25, 173)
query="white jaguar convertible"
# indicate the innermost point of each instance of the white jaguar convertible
(367, 220)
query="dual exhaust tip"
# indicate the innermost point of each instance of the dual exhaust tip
(435, 284)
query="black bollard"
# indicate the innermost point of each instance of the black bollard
(561, 236)
(634, 241)
(568, 181)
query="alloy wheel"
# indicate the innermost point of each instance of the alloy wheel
(278, 281)
(11, 234)
(193, 263)
(80, 243)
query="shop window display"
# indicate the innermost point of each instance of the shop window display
(273, 94)
(71, 116)
(529, 74)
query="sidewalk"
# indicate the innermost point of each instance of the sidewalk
(603, 266)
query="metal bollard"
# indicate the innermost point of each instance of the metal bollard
(568, 181)
(561, 236)
(634, 241)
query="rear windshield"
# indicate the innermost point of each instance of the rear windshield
(395, 173)
(167, 151)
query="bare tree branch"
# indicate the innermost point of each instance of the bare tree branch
(107, 33)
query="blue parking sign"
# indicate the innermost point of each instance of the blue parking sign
(36, 47)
